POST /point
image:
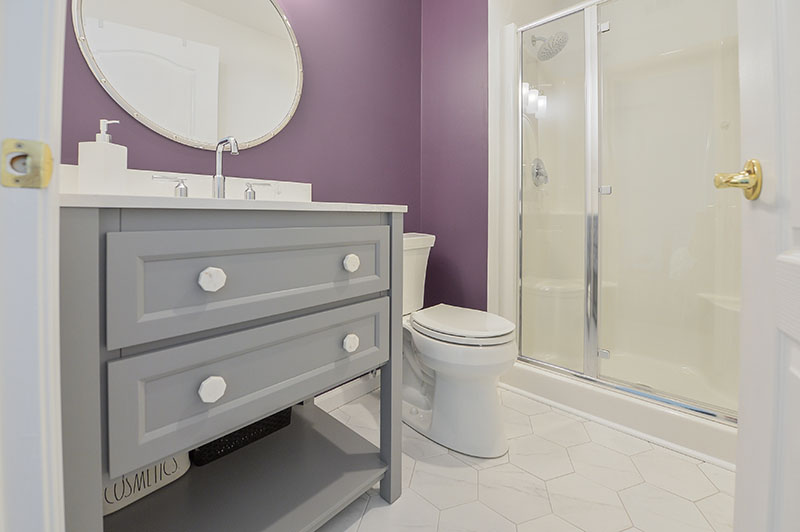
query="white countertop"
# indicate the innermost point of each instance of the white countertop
(153, 202)
(140, 191)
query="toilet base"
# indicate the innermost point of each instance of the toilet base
(466, 417)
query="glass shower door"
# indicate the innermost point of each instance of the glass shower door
(553, 192)
(669, 242)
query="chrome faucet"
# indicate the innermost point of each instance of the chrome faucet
(218, 190)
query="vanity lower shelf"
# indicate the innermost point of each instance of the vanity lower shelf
(294, 480)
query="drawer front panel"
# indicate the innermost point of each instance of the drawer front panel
(153, 288)
(155, 407)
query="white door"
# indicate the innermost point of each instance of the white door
(31, 58)
(768, 462)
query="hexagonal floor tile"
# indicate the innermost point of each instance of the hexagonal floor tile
(480, 463)
(539, 457)
(348, 519)
(408, 513)
(724, 480)
(675, 474)
(418, 446)
(616, 440)
(473, 517)
(445, 481)
(548, 523)
(657, 510)
(587, 505)
(515, 423)
(611, 469)
(718, 509)
(522, 404)
(559, 429)
(513, 493)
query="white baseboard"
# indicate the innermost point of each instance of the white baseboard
(349, 391)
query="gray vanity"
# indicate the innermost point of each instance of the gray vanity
(294, 299)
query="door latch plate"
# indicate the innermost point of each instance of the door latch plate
(26, 164)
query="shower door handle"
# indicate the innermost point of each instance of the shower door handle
(749, 179)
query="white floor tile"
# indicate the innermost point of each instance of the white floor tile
(513, 493)
(473, 517)
(445, 481)
(348, 519)
(480, 463)
(515, 423)
(409, 513)
(616, 440)
(445, 491)
(718, 510)
(340, 415)
(540, 457)
(559, 428)
(674, 473)
(522, 404)
(656, 510)
(418, 446)
(548, 523)
(724, 480)
(408, 469)
(587, 505)
(611, 469)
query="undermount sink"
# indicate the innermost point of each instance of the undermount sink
(142, 183)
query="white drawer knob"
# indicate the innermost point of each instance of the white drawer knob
(350, 343)
(212, 389)
(351, 262)
(212, 279)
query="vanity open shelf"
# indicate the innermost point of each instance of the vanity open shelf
(293, 480)
(309, 296)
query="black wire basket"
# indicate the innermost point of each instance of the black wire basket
(229, 443)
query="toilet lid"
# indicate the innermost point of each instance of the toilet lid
(462, 323)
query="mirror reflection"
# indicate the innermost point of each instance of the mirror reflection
(195, 70)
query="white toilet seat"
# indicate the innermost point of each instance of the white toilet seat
(462, 326)
(462, 340)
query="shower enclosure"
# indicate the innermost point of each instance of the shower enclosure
(630, 258)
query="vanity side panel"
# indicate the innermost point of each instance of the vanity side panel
(82, 271)
(391, 372)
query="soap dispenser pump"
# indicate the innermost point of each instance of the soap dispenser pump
(102, 165)
(103, 136)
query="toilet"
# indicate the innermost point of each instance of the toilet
(452, 360)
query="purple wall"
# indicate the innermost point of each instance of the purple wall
(355, 135)
(454, 149)
(394, 110)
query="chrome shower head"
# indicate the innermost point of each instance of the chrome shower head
(551, 46)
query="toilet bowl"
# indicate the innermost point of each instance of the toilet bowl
(452, 360)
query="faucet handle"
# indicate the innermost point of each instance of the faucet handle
(250, 192)
(181, 189)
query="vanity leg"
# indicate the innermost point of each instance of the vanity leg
(391, 372)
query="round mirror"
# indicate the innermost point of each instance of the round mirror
(195, 71)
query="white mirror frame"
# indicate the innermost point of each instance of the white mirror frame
(83, 44)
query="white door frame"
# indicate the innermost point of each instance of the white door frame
(768, 485)
(31, 67)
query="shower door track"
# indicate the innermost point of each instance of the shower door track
(674, 402)
(591, 359)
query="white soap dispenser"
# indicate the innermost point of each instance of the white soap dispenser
(102, 166)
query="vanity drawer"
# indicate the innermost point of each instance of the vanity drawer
(154, 292)
(155, 407)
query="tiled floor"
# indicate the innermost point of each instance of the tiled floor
(563, 473)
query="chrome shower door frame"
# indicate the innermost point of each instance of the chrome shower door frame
(591, 365)
(591, 355)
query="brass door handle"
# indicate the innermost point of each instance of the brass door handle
(749, 179)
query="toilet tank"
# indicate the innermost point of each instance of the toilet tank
(416, 248)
